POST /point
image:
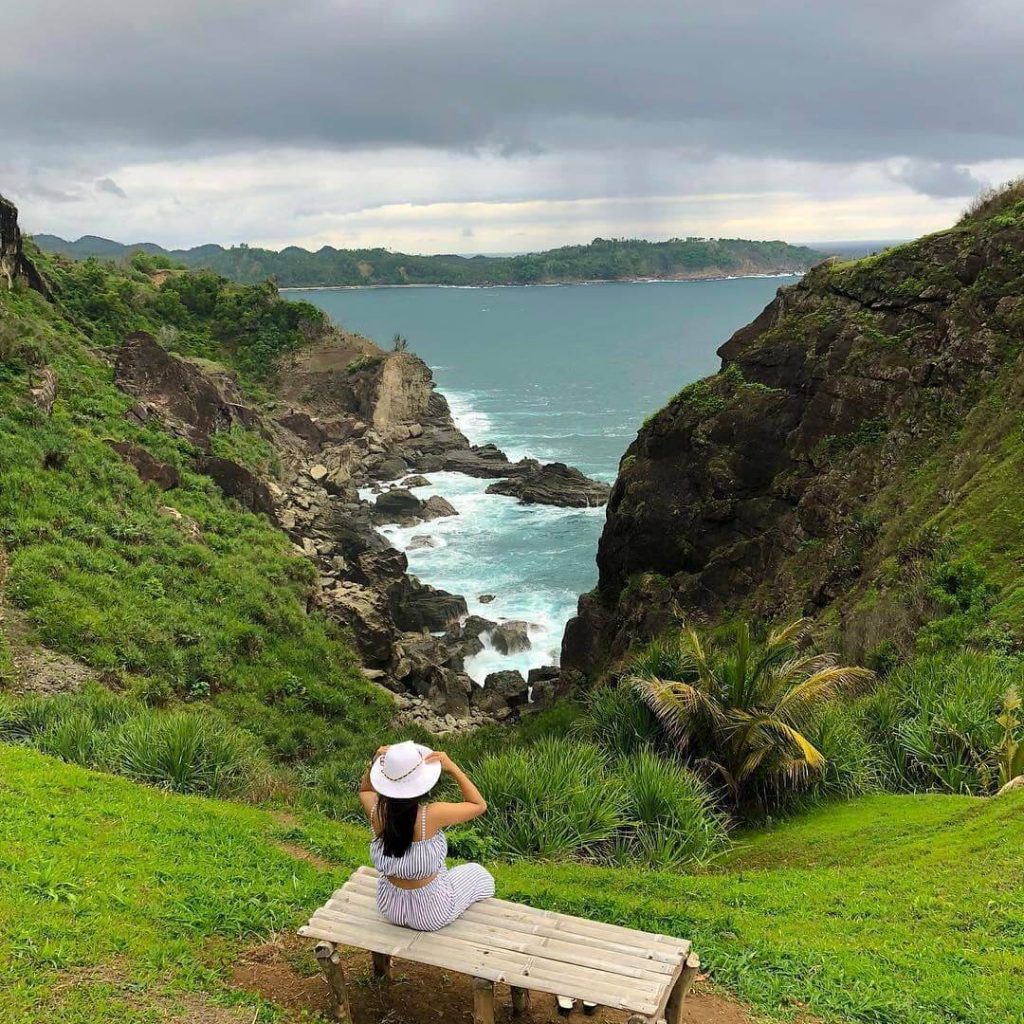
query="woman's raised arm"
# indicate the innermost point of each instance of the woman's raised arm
(473, 804)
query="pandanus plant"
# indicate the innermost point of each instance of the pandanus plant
(744, 710)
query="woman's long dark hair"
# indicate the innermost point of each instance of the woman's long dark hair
(396, 819)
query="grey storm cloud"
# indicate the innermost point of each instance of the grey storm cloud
(935, 81)
(110, 187)
(941, 180)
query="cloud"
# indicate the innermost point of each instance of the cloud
(934, 178)
(220, 121)
(111, 187)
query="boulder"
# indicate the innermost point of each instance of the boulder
(392, 468)
(397, 505)
(485, 598)
(511, 637)
(554, 483)
(149, 468)
(237, 482)
(365, 611)
(417, 606)
(501, 690)
(423, 667)
(303, 426)
(191, 401)
(415, 481)
(420, 540)
(378, 568)
(436, 507)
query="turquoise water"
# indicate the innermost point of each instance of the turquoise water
(564, 373)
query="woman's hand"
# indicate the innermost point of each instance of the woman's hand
(381, 751)
(435, 756)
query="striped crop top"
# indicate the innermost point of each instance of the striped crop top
(425, 857)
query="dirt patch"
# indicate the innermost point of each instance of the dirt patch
(163, 1007)
(299, 853)
(284, 972)
(36, 669)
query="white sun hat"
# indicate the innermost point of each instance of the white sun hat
(402, 771)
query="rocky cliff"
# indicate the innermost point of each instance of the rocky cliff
(14, 263)
(864, 432)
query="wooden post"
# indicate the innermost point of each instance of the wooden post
(674, 1007)
(382, 966)
(329, 958)
(520, 1001)
(483, 1001)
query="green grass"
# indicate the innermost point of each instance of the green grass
(884, 910)
(107, 577)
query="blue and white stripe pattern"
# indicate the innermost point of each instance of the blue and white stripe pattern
(439, 902)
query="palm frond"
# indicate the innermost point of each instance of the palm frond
(823, 686)
(788, 636)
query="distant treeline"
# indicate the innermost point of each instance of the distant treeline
(601, 260)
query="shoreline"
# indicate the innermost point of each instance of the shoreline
(545, 284)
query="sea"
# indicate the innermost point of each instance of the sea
(564, 373)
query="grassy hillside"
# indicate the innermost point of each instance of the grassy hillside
(603, 259)
(121, 904)
(104, 573)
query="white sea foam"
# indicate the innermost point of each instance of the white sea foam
(479, 552)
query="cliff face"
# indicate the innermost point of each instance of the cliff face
(834, 459)
(14, 263)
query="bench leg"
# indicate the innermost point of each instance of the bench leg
(483, 1001)
(382, 966)
(329, 958)
(520, 1001)
(674, 1007)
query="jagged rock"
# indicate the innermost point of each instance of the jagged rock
(188, 399)
(149, 468)
(397, 505)
(14, 263)
(554, 483)
(365, 612)
(420, 540)
(511, 637)
(482, 461)
(304, 426)
(415, 481)
(391, 469)
(417, 606)
(44, 391)
(436, 507)
(378, 568)
(237, 482)
(506, 689)
(485, 598)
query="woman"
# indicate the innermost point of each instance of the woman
(416, 889)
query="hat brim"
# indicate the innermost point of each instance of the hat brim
(421, 781)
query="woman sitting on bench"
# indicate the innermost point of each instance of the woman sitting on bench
(415, 888)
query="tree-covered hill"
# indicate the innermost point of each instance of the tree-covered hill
(601, 260)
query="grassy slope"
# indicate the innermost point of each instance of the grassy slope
(106, 577)
(889, 909)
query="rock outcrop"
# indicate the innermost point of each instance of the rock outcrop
(793, 481)
(15, 263)
(353, 416)
(553, 483)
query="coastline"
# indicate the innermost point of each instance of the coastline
(546, 284)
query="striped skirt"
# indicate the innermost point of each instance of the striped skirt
(438, 903)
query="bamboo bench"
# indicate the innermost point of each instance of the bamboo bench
(527, 949)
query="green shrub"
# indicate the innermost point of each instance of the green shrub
(618, 719)
(185, 752)
(671, 814)
(935, 722)
(553, 800)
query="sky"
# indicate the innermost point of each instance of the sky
(475, 126)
